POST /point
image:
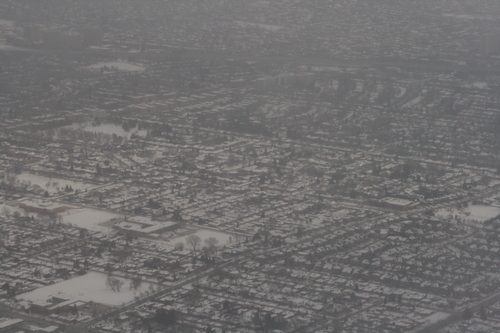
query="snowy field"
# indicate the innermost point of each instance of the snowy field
(8, 47)
(477, 213)
(9, 210)
(88, 218)
(118, 65)
(260, 25)
(434, 318)
(223, 238)
(51, 185)
(89, 287)
(109, 129)
(7, 23)
(480, 85)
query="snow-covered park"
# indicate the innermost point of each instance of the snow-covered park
(478, 213)
(223, 238)
(89, 287)
(51, 185)
(117, 65)
(91, 219)
(109, 129)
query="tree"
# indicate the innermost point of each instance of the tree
(121, 255)
(467, 314)
(482, 313)
(205, 252)
(118, 284)
(114, 283)
(109, 282)
(176, 216)
(193, 297)
(135, 282)
(166, 318)
(212, 243)
(129, 237)
(256, 320)
(193, 241)
(179, 246)
(226, 305)
(300, 231)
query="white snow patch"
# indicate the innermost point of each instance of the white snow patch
(7, 23)
(89, 287)
(480, 85)
(88, 218)
(260, 25)
(402, 92)
(109, 129)
(479, 213)
(434, 318)
(483, 213)
(7, 47)
(51, 185)
(413, 102)
(204, 234)
(118, 65)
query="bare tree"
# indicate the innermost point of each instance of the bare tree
(114, 283)
(118, 284)
(205, 251)
(193, 241)
(135, 282)
(212, 243)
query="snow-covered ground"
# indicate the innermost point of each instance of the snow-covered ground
(89, 287)
(109, 129)
(482, 213)
(480, 85)
(478, 213)
(51, 185)
(260, 25)
(402, 92)
(470, 17)
(88, 218)
(119, 65)
(222, 237)
(413, 102)
(435, 317)
(10, 209)
(7, 47)
(7, 23)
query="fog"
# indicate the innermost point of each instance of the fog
(249, 166)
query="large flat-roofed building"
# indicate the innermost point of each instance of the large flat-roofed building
(10, 324)
(143, 227)
(43, 207)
